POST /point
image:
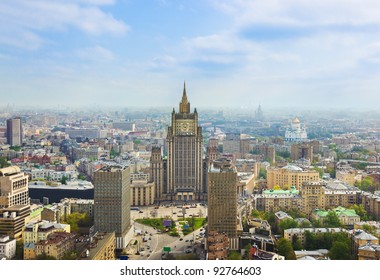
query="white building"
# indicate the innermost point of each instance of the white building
(296, 133)
(7, 247)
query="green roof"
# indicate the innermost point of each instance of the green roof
(274, 192)
(338, 210)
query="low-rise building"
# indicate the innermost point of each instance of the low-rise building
(369, 252)
(300, 232)
(7, 247)
(347, 217)
(217, 246)
(362, 238)
(40, 230)
(290, 175)
(56, 245)
(102, 247)
(142, 193)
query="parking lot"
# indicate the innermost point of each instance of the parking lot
(152, 242)
(170, 210)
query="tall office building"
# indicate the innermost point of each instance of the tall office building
(222, 198)
(13, 187)
(14, 201)
(157, 172)
(184, 161)
(14, 131)
(112, 202)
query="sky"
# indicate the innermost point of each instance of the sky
(231, 53)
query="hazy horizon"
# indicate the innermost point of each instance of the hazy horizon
(232, 54)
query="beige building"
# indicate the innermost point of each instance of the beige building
(222, 198)
(37, 231)
(142, 193)
(369, 252)
(290, 175)
(157, 172)
(371, 203)
(217, 245)
(102, 247)
(313, 197)
(301, 151)
(310, 196)
(360, 239)
(112, 202)
(349, 176)
(13, 187)
(185, 160)
(13, 219)
(56, 245)
(301, 232)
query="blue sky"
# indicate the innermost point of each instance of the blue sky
(231, 53)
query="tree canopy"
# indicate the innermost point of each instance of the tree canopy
(285, 249)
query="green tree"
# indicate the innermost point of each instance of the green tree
(296, 213)
(340, 251)
(70, 256)
(4, 162)
(64, 180)
(359, 209)
(320, 171)
(284, 154)
(81, 176)
(285, 249)
(43, 256)
(332, 220)
(365, 184)
(317, 223)
(233, 255)
(287, 223)
(263, 173)
(296, 243)
(113, 153)
(76, 220)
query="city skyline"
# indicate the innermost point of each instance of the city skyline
(231, 53)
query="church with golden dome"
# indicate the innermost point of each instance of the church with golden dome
(296, 132)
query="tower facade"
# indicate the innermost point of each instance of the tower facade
(157, 173)
(14, 201)
(112, 202)
(14, 131)
(222, 198)
(184, 161)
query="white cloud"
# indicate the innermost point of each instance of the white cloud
(96, 53)
(31, 17)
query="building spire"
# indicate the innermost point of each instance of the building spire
(184, 105)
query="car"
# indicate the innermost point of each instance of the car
(150, 234)
(201, 229)
(174, 213)
(180, 239)
(150, 251)
(150, 238)
(146, 232)
(188, 251)
(148, 255)
(187, 240)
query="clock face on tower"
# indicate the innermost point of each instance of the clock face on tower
(185, 127)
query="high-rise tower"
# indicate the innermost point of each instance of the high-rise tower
(112, 202)
(184, 161)
(14, 132)
(222, 197)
